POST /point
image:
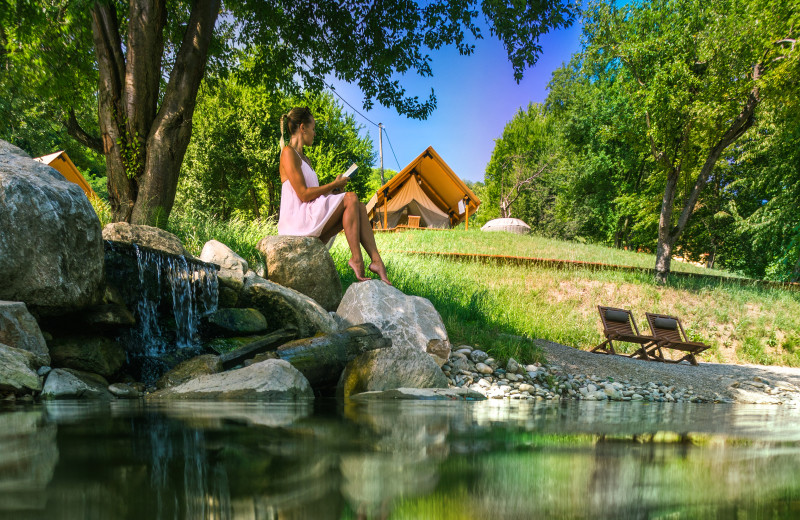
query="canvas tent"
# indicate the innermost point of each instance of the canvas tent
(61, 162)
(427, 188)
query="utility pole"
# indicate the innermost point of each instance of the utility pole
(380, 149)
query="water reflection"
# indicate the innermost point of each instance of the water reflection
(398, 460)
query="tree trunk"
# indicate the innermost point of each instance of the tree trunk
(322, 358)
(144, 144)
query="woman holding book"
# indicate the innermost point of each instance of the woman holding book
(308, 209)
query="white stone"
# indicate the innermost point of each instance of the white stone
(411, 322)
(232, 267)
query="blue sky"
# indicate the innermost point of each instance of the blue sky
(476, 97)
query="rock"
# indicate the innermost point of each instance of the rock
(147, 236)
(303, 264)
(51, 251)
(421, 394)
(270, 380)
(282, 306)
(512, 367)
(483, 369)
(228, 297)
(234, 322)
(124, 391)
(19, 329)
(16, 371)
(261, 357)
(478, 356)
(232, 267)
(524, 387)
(65, 383)
(190, 369)
(411, 322)
(459, 362)
(390, 368)
(96, 354)
(108, 316)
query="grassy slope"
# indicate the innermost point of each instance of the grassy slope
(484, 304)
(480, 302)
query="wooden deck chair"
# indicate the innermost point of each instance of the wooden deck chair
(670, 333)
(619, 325)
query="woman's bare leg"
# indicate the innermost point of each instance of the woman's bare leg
(351, 222)
(368, 240)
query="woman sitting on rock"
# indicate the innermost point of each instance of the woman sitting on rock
(308, 209)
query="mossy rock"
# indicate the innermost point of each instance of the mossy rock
(225, 345)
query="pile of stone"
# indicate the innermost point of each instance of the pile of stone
(473, 369)
(286, 333)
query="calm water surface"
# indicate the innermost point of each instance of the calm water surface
(410, 460)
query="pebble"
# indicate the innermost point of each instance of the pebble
(478, 356)
(473, 368)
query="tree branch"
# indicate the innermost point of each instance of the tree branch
(79, 134)
(738, 127)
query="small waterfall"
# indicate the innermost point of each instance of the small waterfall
(169, 295)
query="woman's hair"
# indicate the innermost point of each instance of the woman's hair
(292, 121)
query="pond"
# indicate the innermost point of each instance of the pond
(399, 460)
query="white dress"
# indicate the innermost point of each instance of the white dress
(306, 218)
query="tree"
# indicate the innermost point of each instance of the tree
(528, 148)
(150, 61)
(699, 71)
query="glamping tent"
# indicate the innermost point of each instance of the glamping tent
(61, 162)
(426, 193)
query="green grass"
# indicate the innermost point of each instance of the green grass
(195, 229)
(486, 304)
(474, 241)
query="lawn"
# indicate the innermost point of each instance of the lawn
(499, 307)
(488, 305)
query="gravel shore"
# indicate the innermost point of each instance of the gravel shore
(575, 374)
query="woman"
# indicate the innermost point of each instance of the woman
(308, 209)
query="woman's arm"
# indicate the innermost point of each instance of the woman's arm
(290, 170)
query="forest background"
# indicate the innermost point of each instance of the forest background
(677, 123)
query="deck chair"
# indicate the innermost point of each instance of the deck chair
(619, 325)
(670, 333)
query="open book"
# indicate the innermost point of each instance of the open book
(350, 170)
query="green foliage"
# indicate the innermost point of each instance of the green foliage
(521, 177)
(231, 165)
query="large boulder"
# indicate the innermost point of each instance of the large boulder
(16, 371)
(147, 236)
(51, 251)
(390, 368)
(270, 380)
(284, 307)
(232, 267)
(190, 369)
(96, 354)
(411, 322)
(303, 264)
(19, 329)
(236, 322)
(65, 383)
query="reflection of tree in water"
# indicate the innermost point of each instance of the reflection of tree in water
(28, 457)
(400, 459)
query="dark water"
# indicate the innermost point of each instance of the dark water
(407, 460)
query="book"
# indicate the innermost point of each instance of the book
(350, 170)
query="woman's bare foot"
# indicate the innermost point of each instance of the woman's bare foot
(378, 268)
(358, 269)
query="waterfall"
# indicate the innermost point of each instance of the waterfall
(194, 291)
(169, 295)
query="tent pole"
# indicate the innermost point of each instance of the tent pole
(466, 221)
(385, 214)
